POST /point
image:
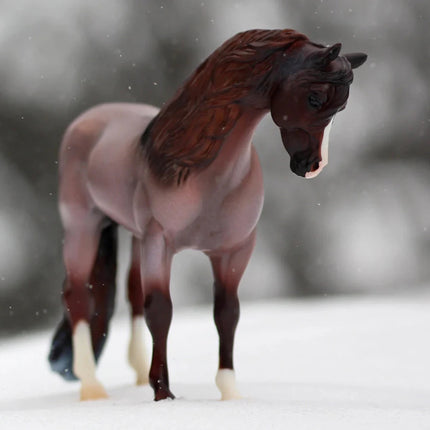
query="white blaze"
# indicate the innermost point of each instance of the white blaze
(324, 153)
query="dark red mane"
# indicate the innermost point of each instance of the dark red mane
(189, 131)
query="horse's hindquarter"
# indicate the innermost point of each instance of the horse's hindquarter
(104, 172)
(113, 173)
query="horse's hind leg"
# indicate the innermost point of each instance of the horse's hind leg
(228, 268)
(137, 356)
(103, 287)
(80, 250)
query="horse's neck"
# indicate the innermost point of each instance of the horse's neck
(234, 158)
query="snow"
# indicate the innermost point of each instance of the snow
(345, 363)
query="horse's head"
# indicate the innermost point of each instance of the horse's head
(305, 102)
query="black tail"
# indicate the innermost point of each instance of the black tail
(103, 288)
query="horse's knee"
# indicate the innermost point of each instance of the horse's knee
(158, 311)
(158, 315)
(78, 302)
(226, 316)
(226, 309)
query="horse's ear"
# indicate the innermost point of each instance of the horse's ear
(356, 59)
(329, 54)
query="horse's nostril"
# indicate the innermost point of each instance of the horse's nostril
(315, 166)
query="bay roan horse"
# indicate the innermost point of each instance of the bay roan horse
(186, 176)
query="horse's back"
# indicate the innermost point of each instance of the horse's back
(89, 125)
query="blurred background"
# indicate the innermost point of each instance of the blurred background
(361, 227)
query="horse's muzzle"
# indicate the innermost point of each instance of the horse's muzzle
(304, 150)
(303, 166)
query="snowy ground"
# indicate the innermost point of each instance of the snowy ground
(319, 364)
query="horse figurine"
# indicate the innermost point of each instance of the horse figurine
(185, 176)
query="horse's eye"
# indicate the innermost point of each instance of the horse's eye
(315, 102)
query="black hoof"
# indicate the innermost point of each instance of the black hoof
(163, 394)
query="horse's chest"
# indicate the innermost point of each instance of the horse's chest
(174, 209)
(223, 223)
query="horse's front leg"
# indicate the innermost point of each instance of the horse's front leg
(228, 268)
(156, 258)
(137, 356)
